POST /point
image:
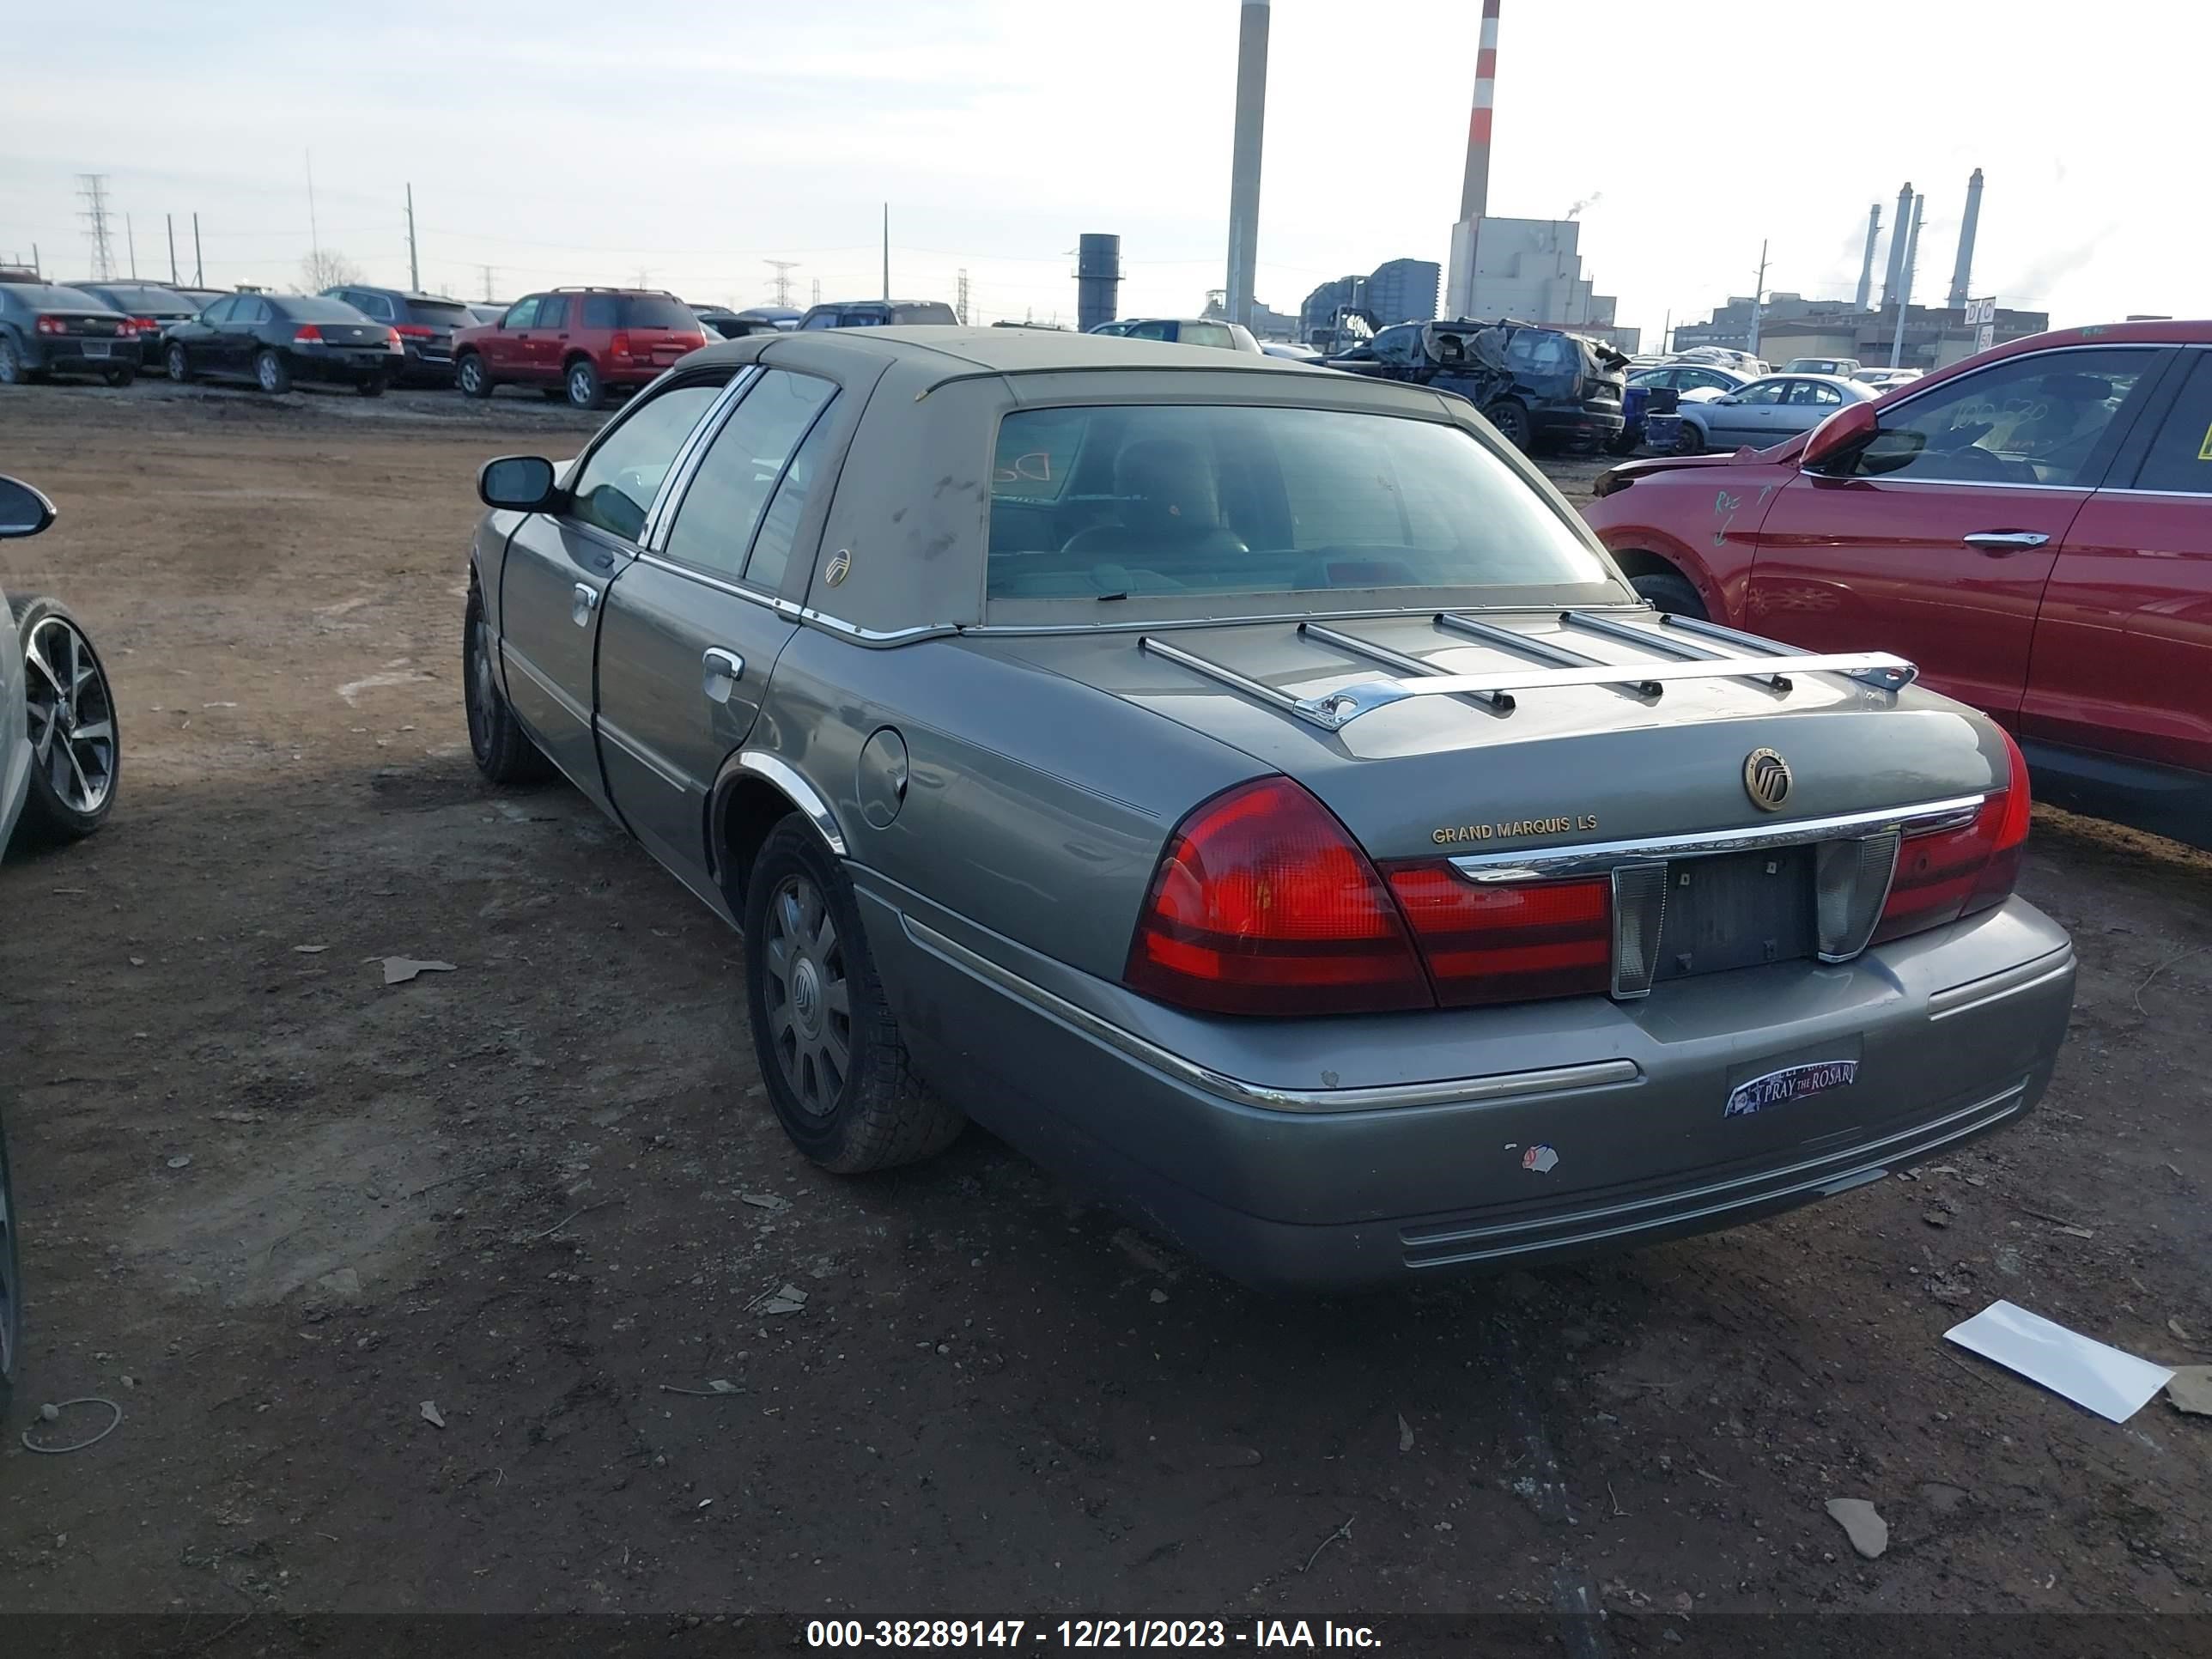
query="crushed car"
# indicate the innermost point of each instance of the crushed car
(1251, 791)
(1541, 387)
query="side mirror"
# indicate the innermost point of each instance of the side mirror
(521, 484)
(1845, 430)
(23, 510)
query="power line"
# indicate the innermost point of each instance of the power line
(91, 187)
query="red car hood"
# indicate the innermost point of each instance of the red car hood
(1628, 471)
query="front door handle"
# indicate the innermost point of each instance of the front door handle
(583, 599)
(719, 671)
(2005, 540)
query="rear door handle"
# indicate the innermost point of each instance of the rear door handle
(583, 599)
(719, 671)
(2005, 540)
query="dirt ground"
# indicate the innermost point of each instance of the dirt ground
(272, 1206)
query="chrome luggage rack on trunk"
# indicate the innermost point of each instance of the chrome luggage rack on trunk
(1765, 662)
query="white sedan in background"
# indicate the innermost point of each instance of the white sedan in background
(1768, 410)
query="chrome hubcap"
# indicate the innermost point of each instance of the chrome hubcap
(268, 374)
(810, 1008)
(72, 716)
(579, 388)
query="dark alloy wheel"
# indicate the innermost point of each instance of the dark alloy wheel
(1688, 440)
(504, 751)
(119, 374)
(178, 363)
(1511, 421)
(828, 1049)
(77, 749)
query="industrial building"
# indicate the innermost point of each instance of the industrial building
(1396, 291)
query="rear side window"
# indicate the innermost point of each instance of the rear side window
(616, 487)
(600, 311)
(553, 310)
(374, 304)
(2180, 457)
(1183, 502)
(1536, 351)
(722, 507)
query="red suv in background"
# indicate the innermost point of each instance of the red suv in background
(577, 343)
(2032, 527)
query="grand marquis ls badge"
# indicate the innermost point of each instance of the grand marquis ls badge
(1767, 779)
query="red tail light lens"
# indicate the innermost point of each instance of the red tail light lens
(415, 332)
(1508, 942)
(1957, 873)
(144, 325)
(52, 325)
(618, 347)
(1264, 904)
(306, 334)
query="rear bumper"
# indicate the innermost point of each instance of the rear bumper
(342, 365)
(1473, 1139)
(433, 366)
(56, 354)
(1575, 422)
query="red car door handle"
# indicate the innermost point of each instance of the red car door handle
(2000, 542)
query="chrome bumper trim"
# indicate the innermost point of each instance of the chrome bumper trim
(1995, 987)
(1452, 1091)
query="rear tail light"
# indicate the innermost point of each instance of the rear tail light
(1264, 904)
(1950, 874)
(1510, 942)
(415, 332)
(144, 325)
(306, 334)
(391, 341)
(52, 325)
(618, 347)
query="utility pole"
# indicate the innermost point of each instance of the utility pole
(783, 270)
(199, 271)
(1904, 281)
(314, 236)
(487, 276)
(960, 305)
(818, 292)
(887, 251)
(1758, 297)
(413, 267)
(171, 220)
(130, 242)
(1665, 331)
(93, 187)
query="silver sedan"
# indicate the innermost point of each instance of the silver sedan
(1768, 410)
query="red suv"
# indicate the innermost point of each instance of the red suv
(2032, 527)
(577, 342)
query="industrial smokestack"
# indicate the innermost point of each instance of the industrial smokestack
(1098, 279)
(1475, 185)
(1244, 165)
(1963, 272)
(1898, 228)
(1866, 266)
(1911, 242)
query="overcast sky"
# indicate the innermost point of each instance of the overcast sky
(564, 141)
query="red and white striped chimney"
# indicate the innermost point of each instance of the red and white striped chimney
(1474, 191)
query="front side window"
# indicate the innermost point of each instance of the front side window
(2180, 457)
(1763, 391)
(2030, 420)
(1131, 501)
(821, 320)
(523, 313)
(1151, 330)
(722, 509)
(221, 311)
(616, 486)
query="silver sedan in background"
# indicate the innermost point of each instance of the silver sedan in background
(1768, 410)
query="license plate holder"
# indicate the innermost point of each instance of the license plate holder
(96, 348)
(1736, 910)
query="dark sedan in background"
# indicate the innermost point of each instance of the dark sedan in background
(274, 339)
(152, 307)
(424, 323)
(46, 329)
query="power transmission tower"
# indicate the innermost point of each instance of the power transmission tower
(92, 188)
(960, 302)
(817, 291)
(783, 270)
(487, 276)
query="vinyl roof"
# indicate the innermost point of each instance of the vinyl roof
(962, 351)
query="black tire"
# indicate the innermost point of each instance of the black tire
(1674, 594)
(1689, 441)
(504, 751)
(11, 1283)
(877, 1113)
(473, 378)
(581, 381)
(178, 362)
(271, 373)
(14, 370)
(119, 375)
(66, 801)
(371, 388)
(1623, 443)
(1511, 419)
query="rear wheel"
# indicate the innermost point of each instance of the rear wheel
(178, 363)
(1689, 441)
(372, 387)
(76, 751)
(271, 373)
(1511, 419)
(830, 1051)
(582, 384)
(12, 371)
(119, 375)
(504, 751)
(1671, 593)
(472, 376)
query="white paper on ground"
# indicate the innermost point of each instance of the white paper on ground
(2110, 1383)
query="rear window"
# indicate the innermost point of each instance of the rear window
(1159, 501)
(657, 311)
(47, 296)
(144, 299)
(449, 313)
(315, 308)
(931, 312)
